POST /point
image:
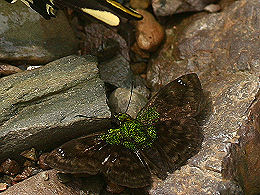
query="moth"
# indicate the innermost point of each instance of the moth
(109, 11)
(158, 141)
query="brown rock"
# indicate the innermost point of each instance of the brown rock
(30, 154)
(243, 161)
(209, 44)
(3, 186)
(6, 69)
(230, 96)
(27, 172)
(141, 53)
(169, 7)
(138, 68)
(212, 8)
(40, 186)
(150, 33)
(140, 4)
(10, 167)
(96, 37)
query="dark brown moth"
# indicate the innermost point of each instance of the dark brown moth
(163, 136)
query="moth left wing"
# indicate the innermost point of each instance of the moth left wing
(82, 155)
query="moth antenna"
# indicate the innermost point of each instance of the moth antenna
(90, 117)
(132, 86)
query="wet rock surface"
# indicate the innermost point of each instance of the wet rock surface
(39, 107)
(27, 37)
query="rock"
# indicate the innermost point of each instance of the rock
(169, 7)
(138, 68)
(230, 96)
(242, 163)
(28, 38)
(104, 42)
(140, 4)
(40, 186)
(39, 108)
(149, 33)
(212, 8)
(30, 154)
(210, 45)
(116, 72)
(3, 186)
(27, 172)
(6, 69)
(119, 100)
(10, 167)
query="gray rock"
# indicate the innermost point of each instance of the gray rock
(26, 37)
(38, 108)
(169, 7)
(119, 100)
(116, 71)
(231, 95)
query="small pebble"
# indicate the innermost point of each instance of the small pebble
(33, 67)
(10, 167)
(44, 175)
(6, 69)
(149, 33)
(212, 8)
(30, 154)
(3, 186)
(27, 172)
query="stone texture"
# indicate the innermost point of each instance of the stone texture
(47, 183)
(6, 69)
(26, 37)
(39, 107)
(140, 4)
(120, 98)
(210, 44)
(116, 71)
(149, 33)
(230, 96)
(243, 160)
(95, 38)
(169, 7)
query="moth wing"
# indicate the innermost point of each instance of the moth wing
(177, 142)
(180, 98)
(127, 168)
(82, 155)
